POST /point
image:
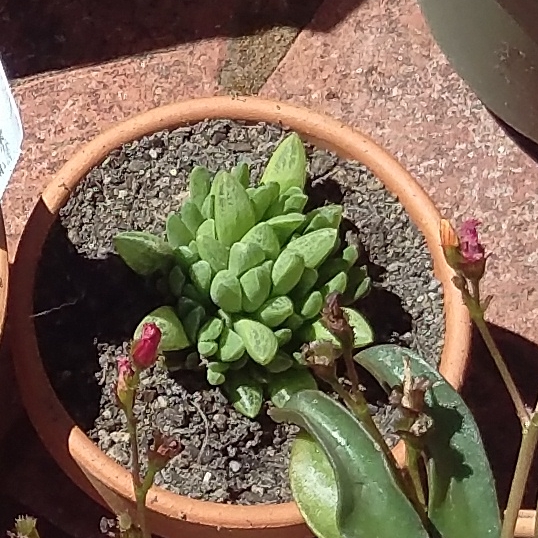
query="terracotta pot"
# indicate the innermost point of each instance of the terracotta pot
(525, 524)
(173, 515)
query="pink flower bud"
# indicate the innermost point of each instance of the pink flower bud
(144, 351)
(470, 247)
(124, 388)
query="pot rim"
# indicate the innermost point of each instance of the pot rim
(68, 443)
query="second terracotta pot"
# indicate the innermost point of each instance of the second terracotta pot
(170, 515)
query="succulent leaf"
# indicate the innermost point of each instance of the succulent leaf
(314, 247)
(226, 291)
(263, 235)
(244, 256)
(260, 342)
(199, 185)
(177, 233)
(256, 286)
(275, 311)
(173, 335)
(245, 393)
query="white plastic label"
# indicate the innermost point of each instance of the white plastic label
(10, 132)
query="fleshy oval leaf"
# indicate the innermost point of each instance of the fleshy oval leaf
(281, 387)
(199, 185)
(287, 165)
(263, 235)
(287, 272)
(256, 286)
(314, 247)
(260, 342)
(244, 392)
(143, 252)
(177, 233)
(244, 256)
(275, 311)
(226, 291)
(231, 346)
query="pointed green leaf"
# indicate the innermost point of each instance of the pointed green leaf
(208, 207)
(244, 256)
(287, 272)
(191, 216)
(234, 215)
(206, 228)
(337, 284)
(211, 330)
(461, 487)
(143, 252)
(216, 373)
(312, 305)
(245, 393)
(350, 255)
(226, 291)
(280, 363)
(200, 275)
(176, 281)
(314, 247)
(283, 336)
(263, 235)
(190, 291)
(285, 225)
(193, 321)
(262, 197)
(199, 185)
(287, 165)
(369, 500)
(282, 387)
(177, 233)
(231, 346)
(328, 216)
(294, 322)
(241, 173)
(185, 257)
(260, 342)
(207, 349)
(213, 252)
(305, 284)
(256, 286)
(275, 311)
(185, 305)
(173, 334)
(329, 269)
(295, 203)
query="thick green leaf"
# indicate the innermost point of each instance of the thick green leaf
(241, 172)
(287, 165)
(280, 363)
(370, 502)
(295, 203)
(206, 228)
(199, 185)
(337, 284)
(328, 216)
(185, 305)
(234, 215)
(314, 486)
(173, 334)
(283, 336)
(314, 247)
(177, 233)
(462, 492)
(143, 252)
(191, 216)
(193, 321)
(245, 393)
(185, 257)
(176, 280)
(256, 286)
(226, 291)
(260, 341)
(285, 225)
(200, 275)
(312, 305)
(275, 311)
(263, 235)
(282, 386)
(287, 272)
(213, 252)
(244, 256)
(216, 373)
(208, 207)
(306, 283)
(231, 346)
(211, 329)
(207, 349)
(262, 197)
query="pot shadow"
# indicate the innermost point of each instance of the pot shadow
(492, 407)
(78, 301)
(58, 34)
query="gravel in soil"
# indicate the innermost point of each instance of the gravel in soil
(87, 304)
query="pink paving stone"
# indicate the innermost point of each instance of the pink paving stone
(381, 71)
(63, 109)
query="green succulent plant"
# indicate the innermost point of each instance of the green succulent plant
(250, 270)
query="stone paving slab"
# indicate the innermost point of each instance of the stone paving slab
(381, 71)
(61, 110)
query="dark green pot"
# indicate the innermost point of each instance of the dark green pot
(493, 45)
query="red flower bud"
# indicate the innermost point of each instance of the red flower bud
(144, 351)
